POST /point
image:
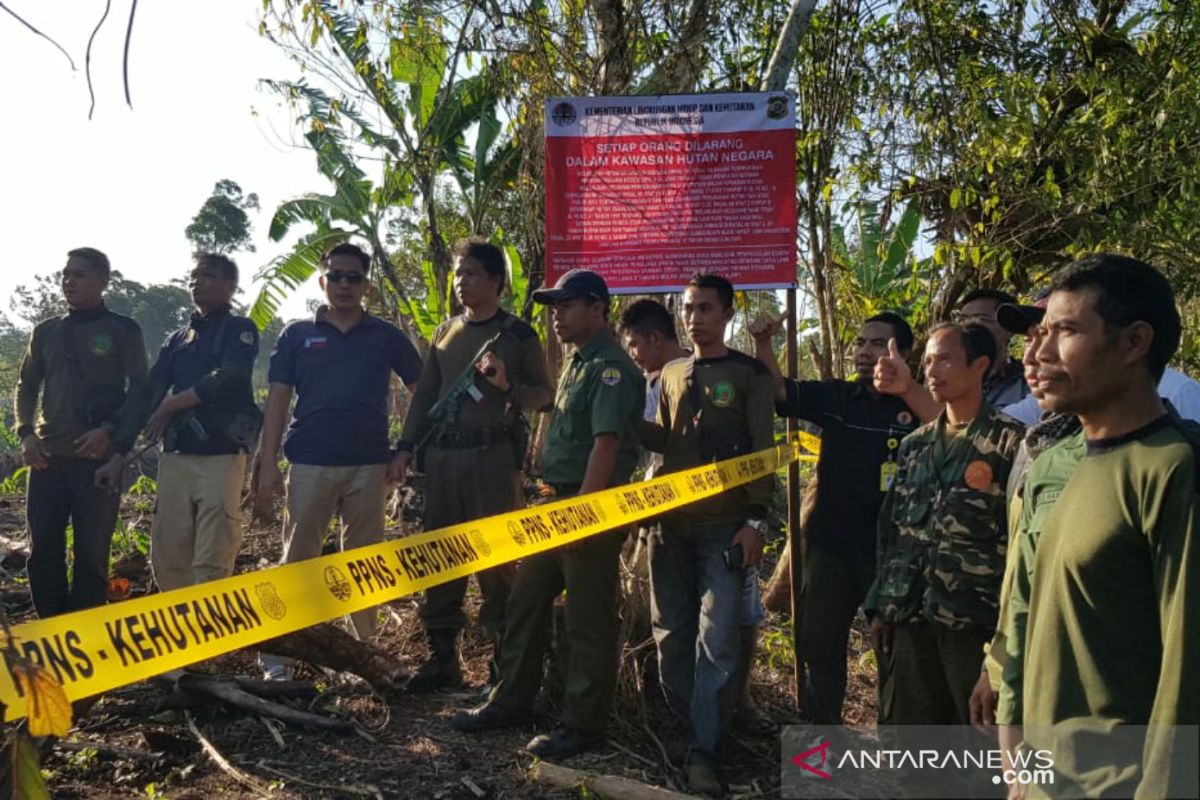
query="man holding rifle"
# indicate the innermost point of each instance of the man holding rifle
(484, 369)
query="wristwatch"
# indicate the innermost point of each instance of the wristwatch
(760, 526)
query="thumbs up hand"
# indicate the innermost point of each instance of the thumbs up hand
(892, 375)
(763, 328)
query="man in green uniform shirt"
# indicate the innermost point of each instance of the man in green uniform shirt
(716, 404)
(1108, 577)
(592, 444)
(942, 537)
(88, 370)
(473, 453)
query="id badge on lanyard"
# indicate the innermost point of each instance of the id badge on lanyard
(888, 469)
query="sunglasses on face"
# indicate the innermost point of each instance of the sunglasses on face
(337, 276)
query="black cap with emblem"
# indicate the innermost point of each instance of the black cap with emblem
(576, 283)
(1019, 319)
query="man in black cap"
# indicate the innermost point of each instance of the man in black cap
(592, 444)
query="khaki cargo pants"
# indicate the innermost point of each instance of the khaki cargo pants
(197, 526)
(357, 495)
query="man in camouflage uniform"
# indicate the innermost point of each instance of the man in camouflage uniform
(942, 540)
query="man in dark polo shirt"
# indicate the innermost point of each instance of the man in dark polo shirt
(206, 418)
(861, 431)
(339, 364)
(88, 370)
(592, 444)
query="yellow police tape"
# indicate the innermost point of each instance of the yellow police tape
(99, 649)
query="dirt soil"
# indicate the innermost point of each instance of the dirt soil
(408, 749)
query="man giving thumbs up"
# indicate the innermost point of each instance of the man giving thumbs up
(861, 430)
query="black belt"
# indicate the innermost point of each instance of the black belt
(475, 437)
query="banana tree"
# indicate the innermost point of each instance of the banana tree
(356, 208)
(878, 268)
(398, 93)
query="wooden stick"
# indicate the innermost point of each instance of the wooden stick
(369, 790)
(223, 763)
(612, 787)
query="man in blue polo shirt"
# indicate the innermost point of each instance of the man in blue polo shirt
(207, 420)
(339, 364)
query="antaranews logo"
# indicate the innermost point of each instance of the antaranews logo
(897, 763)
(820, 750)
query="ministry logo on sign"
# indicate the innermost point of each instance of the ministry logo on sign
(563, 114)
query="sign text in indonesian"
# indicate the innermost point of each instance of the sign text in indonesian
(649, 190)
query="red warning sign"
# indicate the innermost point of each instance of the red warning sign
(648, 191)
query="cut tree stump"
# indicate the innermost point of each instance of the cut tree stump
(611, 787)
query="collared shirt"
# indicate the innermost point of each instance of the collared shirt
(89, 368)
(943, 527)
(1007, 386)
(215, 356)
(342, 383)
(735, 394)
(600, 391)
(861, 431)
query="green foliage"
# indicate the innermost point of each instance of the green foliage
(222, 224)
(16, 483)
(28, 782)
(158, 308)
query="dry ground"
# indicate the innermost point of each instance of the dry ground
(410, 752)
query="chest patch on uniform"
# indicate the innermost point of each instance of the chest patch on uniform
(978, 475)
(904, 418)
(100, 345)
(247, 337)
(611, 376)
(315, 342)
(722, 394)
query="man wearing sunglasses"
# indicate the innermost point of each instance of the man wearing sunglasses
(339, 364)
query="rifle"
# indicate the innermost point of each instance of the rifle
(444, 411)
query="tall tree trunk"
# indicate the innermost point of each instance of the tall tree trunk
(616, 61)
(680, 72)
(788, 45)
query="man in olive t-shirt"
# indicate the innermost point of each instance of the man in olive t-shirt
(1111, 562)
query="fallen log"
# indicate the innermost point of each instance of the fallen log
(228, 692)
(611, 787)
(331, 647)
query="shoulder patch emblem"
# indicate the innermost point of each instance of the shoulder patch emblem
(611, 376)
(722, 394)
(904, 418)
(247, 337)
(978, 475)
(100, 345)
